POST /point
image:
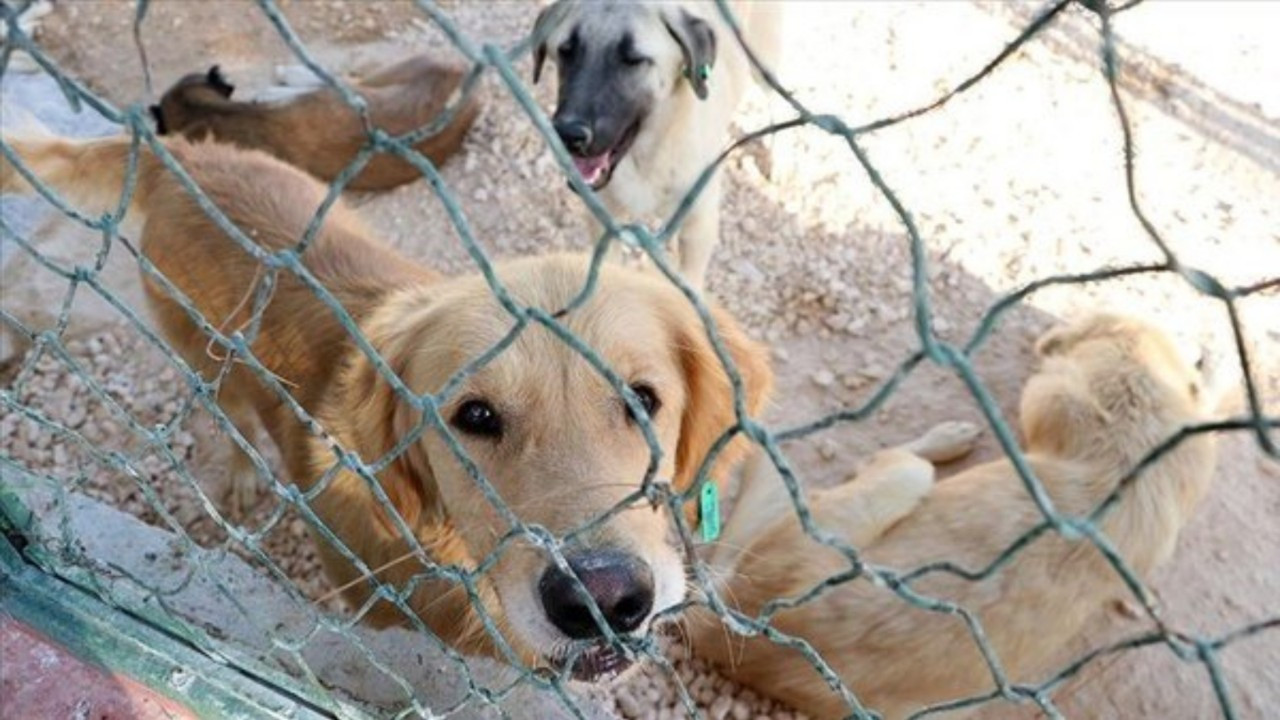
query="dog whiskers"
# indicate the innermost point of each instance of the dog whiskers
(699, 594)
(365, 577)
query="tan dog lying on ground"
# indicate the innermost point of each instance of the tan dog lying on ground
(316, 130)
(1111, 389)
(553, 437)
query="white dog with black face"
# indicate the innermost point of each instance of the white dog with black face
(646, 94)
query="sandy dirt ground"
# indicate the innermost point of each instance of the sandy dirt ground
(1018, 179)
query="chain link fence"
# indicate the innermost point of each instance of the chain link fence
(50, 540)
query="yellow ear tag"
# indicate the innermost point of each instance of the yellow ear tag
(709, 511)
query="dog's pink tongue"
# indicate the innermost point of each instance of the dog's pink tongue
(592, 168)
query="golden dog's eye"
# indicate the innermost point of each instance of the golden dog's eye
(648, 398)
(477, 417)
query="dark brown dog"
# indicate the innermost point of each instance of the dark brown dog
(316, 130)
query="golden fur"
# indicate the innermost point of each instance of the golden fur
(317, 131)
(1109, 391)
(569, 452)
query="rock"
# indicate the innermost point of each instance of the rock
(749, 272)
(628, 705)
(852, 380)
(720, 708)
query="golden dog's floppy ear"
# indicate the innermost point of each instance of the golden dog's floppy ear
(1058, 409)
(1056, 341)
(1057, 412)
(1065, 336)
(381, 417)
(709, 409)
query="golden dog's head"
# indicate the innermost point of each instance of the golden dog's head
(1106, 378)
(556, 440)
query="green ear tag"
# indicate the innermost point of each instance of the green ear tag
(709, 511)
(704, 72)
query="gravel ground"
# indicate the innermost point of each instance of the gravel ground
(1018, 179)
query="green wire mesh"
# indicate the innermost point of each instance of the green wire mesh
(58, 551)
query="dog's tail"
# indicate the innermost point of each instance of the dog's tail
(88, 174)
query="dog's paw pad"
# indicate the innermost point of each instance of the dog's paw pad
(947, 441)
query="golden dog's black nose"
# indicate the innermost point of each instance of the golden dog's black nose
(620, 584)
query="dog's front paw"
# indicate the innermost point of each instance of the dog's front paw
(241, 492)
(947, 441)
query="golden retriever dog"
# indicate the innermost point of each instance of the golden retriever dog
(645, 97)
(552, 437)
(317, 130)
(1110, 390)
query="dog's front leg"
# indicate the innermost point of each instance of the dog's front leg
(886, 489)
(890, 486)
(893, 483)
(620, 248)
(240, 492)
(698, 237)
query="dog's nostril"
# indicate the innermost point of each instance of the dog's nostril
(575, 134)
(620, 584)
(631, 611)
